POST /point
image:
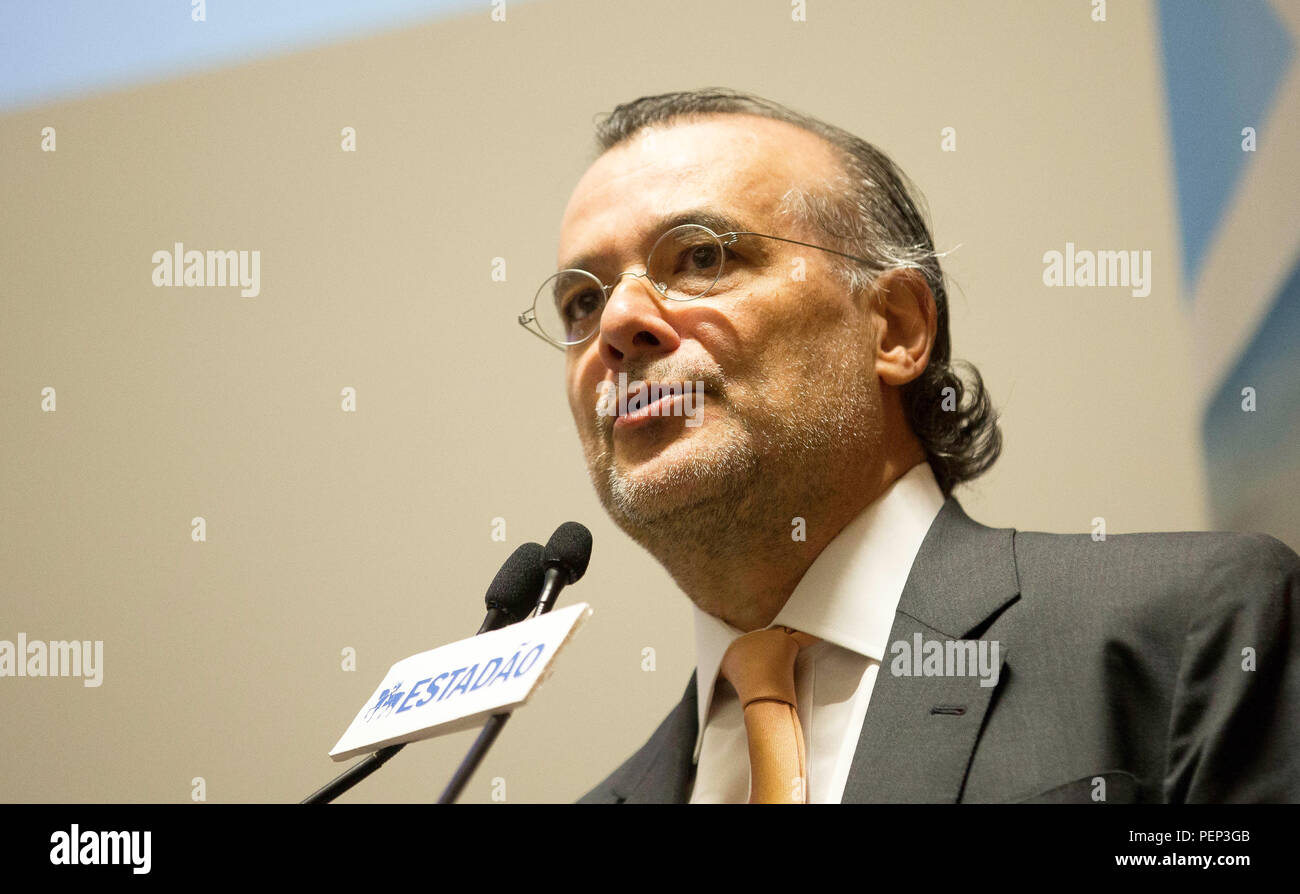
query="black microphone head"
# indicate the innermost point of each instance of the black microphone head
(569, 548)
(518, 584)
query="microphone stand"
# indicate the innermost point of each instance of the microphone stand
(496, 618)
(354, 774)
(492, 728)
(474, 757)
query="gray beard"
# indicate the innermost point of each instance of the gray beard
(744, 490)
(704, 502)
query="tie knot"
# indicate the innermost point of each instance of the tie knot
(760, 664)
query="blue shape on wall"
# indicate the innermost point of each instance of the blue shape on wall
(56, 49)
(1251, 457)
(1223, 64)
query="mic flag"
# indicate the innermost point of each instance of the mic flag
(460, 685)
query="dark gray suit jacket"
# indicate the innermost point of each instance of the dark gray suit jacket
(1125, 676)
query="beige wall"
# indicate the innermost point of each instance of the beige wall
(371, 530)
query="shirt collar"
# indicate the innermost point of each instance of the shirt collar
(849, 594)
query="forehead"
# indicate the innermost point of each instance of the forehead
(738, 165)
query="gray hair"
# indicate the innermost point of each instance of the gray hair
(866, 210)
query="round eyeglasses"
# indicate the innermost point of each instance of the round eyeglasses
(686, 262)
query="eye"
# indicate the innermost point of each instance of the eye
(581, 305)
(703, 257)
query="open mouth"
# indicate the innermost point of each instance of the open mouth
(645, 401)
(642, 409)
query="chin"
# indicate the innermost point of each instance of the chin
(686, 473)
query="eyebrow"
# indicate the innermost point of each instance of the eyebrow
(715, 220)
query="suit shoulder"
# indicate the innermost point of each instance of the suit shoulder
(1183, 546)
(1249, 576)
(1153, 563)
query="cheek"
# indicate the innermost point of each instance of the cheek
(791, 325)
(581, 376)
(810, 341)
(576, 408)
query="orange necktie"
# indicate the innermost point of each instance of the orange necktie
(761, 667)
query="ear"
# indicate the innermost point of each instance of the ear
(906, 320)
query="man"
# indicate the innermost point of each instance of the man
(858, 637)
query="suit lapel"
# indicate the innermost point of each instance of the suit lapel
(920, 731)
(665, 769)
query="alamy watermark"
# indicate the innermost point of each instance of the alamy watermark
(56, 658)
(655, 398)
(947, 658)
(1077, 268)
(179, 267)
(90, 848)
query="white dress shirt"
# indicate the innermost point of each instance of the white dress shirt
(847, 598)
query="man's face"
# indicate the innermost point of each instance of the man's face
(785, 355)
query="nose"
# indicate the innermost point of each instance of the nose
(632, 324)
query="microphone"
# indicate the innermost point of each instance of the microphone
(565, 560)
(511, 596)
(514, 591)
